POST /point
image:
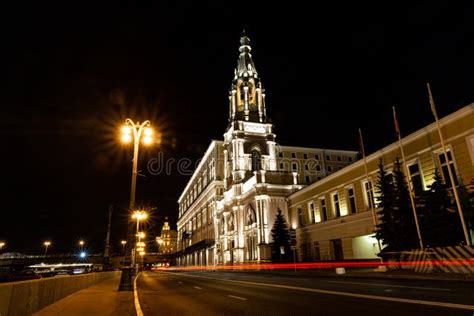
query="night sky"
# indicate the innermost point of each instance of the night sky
(71, 75)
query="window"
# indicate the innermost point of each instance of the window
(305, 156)
(306, 167)
(317, 252)
(300, 217)
(293, 155)
(337, 207)
(280, 154)
(444, 168)
(415, 178)
(328, 157)
(318, 168)
(281, 166)
(324, 213)
(350, 159)
(256, 160)
(294, 166)
(329, 168)
(369, 195)
(312, 217)
(339, 158)
(351, 200)
(316, 157)
(308, 179)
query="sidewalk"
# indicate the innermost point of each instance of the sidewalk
(100, 299)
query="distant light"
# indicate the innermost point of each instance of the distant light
(82, 254)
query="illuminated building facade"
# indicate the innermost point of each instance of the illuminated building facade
(332, 216)
(227, 210)
(167, 241)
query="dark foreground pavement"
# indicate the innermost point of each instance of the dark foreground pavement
(227, 293)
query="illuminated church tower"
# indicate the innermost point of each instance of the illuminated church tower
(254, 188)
(227, 209)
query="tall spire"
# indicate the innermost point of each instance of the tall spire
(245, 62)
(246, 96)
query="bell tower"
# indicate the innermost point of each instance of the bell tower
(246, 95)
(249, 142)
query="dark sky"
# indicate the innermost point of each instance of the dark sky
(71, 75)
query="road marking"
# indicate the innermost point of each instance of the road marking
(389, 285)
(138, 309)
(371, 297)
(198, 288)
(237, 297)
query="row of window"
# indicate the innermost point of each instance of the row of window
(294, 167)
(198, 187)
(317, 157)
(319, 211)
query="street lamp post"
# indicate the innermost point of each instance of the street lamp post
(46, 245)
(134, 131)
(2, 244)
(81, 243)
(138, 216)
(123, 242)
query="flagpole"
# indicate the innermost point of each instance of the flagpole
(451, 177)
(410, 188)
(370, 187)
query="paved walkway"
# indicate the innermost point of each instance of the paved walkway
(100, 299)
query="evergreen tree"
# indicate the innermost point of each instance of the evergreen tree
(281, 238)
(386, 231)
(441, 222)
(403, 211)
(466, 195)
(396, 227)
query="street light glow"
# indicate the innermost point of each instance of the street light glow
(81, 243)
(126, 130)
(148, 131)
(141, 235)
(123, 242)
(47, 243)
(139, 215)
(147, 140)
(126, 138)
(82, 255)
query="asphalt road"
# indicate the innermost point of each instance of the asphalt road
(227, 293)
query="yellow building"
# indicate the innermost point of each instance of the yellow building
(167, 241)
(332, 216)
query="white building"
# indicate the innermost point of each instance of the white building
(228, 207)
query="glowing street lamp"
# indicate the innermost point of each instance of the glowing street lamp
(81, 243)
(2, 244)
(46, 245)
(138, 216)
(133, 131)
(123, 242)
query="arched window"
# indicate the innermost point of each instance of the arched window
(256, 160)
(230, 223)
(251, 218)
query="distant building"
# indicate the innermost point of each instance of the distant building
(167, 240)
(332, 216)
(227, 210)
